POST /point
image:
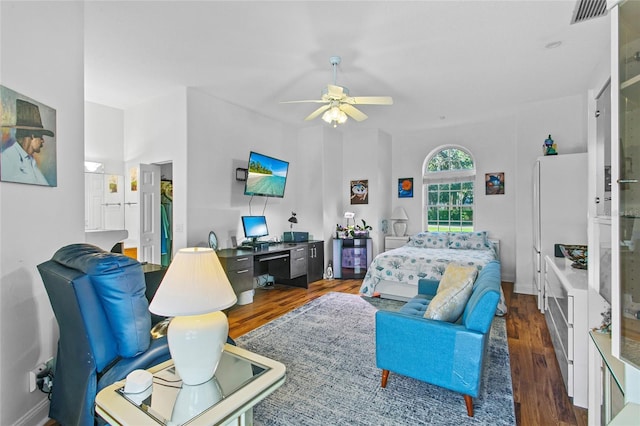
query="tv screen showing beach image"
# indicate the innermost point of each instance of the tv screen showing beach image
(267, 176)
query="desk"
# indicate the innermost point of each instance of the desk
(242, 379)
(293, 264)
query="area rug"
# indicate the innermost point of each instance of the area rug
(328, 347)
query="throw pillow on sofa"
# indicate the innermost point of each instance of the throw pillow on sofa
(453, 293)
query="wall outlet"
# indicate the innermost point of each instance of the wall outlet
(48, 365)
(33, 375)
(51, 364)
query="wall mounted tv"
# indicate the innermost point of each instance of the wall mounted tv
(267, 176)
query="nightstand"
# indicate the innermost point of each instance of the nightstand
(391, 242)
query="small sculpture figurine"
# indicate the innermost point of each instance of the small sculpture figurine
(329, 274)
(605, 326)
(549, 147)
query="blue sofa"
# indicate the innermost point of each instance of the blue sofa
(445, 354)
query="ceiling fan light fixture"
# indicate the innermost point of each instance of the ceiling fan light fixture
(338, 104)
(334, 115)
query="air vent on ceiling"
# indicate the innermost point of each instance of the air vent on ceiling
(589, 9)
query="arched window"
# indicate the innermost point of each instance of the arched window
(448, 181)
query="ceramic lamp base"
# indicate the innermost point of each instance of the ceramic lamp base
(399, 228)
(196, 343)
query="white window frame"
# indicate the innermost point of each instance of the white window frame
(447, 176)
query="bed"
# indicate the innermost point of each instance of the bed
(394, 274)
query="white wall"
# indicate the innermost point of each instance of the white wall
(367, 154)
(220, 137)
(318, 199)
(46, 64)
(104, 136)
(492, 144)
(155, 131)
(566, 120)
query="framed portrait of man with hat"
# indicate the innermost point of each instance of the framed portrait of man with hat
(28, 140)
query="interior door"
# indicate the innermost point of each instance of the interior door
(149, 186)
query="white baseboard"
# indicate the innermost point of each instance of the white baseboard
(38, 415)
(524, 289)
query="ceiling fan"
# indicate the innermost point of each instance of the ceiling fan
(338, 103)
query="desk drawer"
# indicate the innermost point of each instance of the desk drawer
(237, 263)
(239, 270)
(298, 253)
(241, 279)
(299, 266)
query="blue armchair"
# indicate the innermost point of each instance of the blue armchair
(444, 354)
(99, 302)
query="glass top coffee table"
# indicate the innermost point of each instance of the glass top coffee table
(242, 379)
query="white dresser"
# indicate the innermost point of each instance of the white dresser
(566, 314)
(391, 242)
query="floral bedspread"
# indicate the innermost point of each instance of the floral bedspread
(409, 264)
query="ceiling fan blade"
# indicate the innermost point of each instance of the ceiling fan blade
(369, 100)
(334, 91)
(317, 112)
(317, 101)
(353, 112)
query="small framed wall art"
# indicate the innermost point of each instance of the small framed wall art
(405, 188)
(494, 183)
(359, 191)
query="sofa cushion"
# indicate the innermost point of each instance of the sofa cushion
(453, 293)
(417, 305)
(429, 240)
(456, 275)
(481, 308)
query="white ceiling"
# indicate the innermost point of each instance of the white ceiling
(462, 60)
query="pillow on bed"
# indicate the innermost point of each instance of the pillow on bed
(453, 293)
(429, 240)
(468, 240)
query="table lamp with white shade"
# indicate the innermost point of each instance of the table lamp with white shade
(194, 291)
(400, 218)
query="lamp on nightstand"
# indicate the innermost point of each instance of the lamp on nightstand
(194, 291)
(400, 219)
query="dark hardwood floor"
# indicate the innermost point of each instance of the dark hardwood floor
(539, 394)
(538, 391)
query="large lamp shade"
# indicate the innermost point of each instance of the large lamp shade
(194, 291)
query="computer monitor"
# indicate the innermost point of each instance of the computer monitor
(254, 227)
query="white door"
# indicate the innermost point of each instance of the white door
(93, 200)
(113, 205)
(149, 186)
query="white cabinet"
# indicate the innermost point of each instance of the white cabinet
(606, 381)
(394, 242)
(566, 314)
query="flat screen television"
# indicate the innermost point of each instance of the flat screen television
(267, 176)
(254, 227)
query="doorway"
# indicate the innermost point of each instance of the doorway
(166, 213)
